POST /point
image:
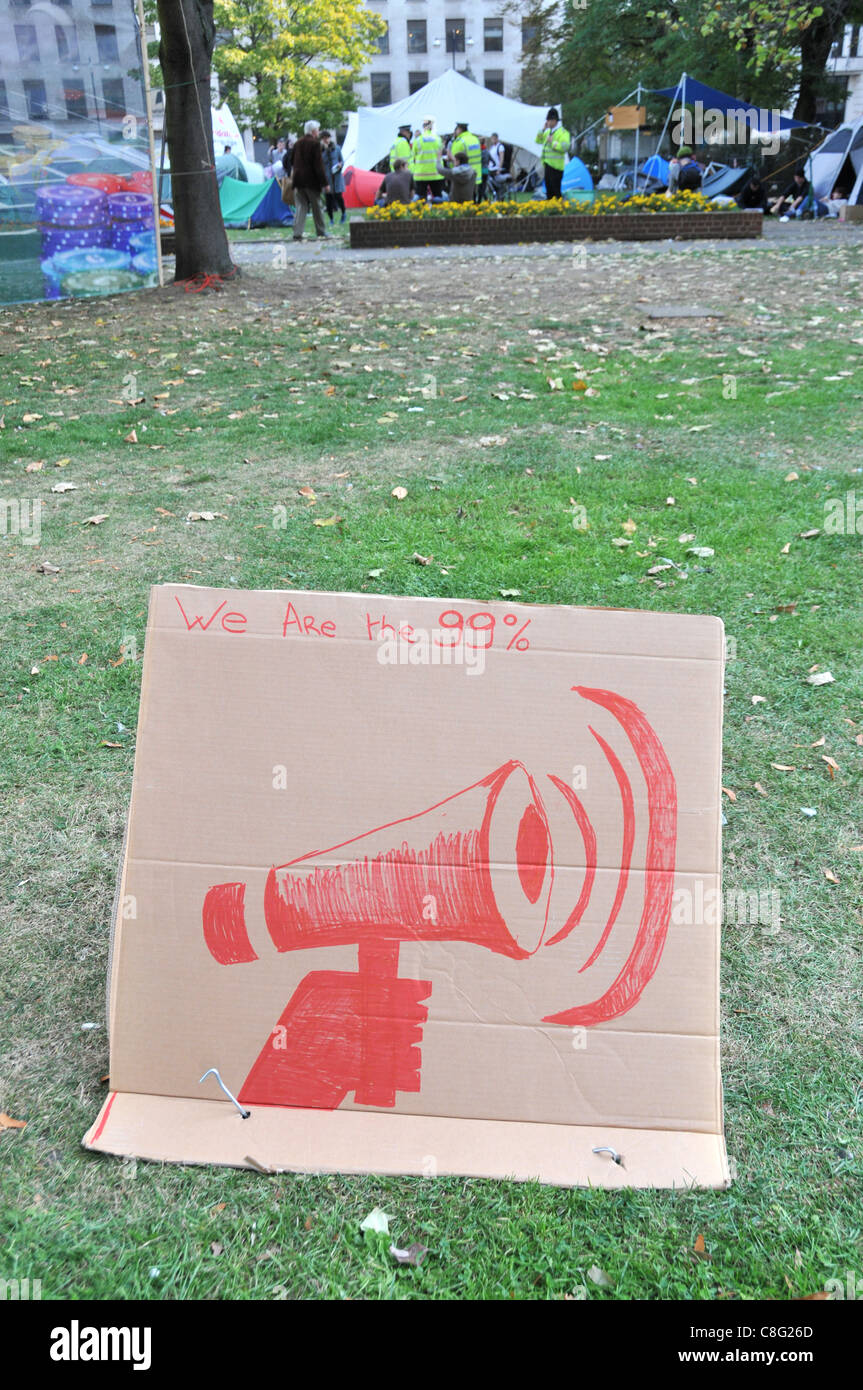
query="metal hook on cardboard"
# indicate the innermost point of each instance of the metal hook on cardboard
(212, 1072)
(612, 1153)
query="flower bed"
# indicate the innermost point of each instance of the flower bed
(469, 228)
(601, 205)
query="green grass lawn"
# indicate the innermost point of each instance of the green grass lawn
(727, 433)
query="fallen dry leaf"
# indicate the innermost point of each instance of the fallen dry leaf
(308, 493)
(832, 765)
(35, 466)
(400, 493)
(760, 789)
(47, 568)
(732, 796)
(106, 744)
(413, 1255)
(759, 699)
(95, 520)
(205, 516)
(130, 438)
(327, 521)
(699, 1248)
(783, 767)
(830, 876)
(809, 535)
(421, 559)
(82, 659)
(598, 1276)
(64, 487)
(820, 678)
(6, 1122)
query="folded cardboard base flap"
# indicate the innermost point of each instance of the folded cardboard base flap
(173, 1129)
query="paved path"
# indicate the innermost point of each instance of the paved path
(271, 252)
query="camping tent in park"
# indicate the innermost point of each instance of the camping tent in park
(449, 98)
(839, 160)
(253, 204)
(757, 121)
(361, 187)
(576, 177)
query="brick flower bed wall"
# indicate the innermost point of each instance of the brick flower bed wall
(498, 231)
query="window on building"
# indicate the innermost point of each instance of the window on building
(529, 35)
(416, 80)
(28, 44)
(115, 97)
(494, 80)
(101, 2)
(106, 43)
(455, 36)
(383, 41)
(5, 113)
(493, 35)
(381, 89)
(75, 99)
(37, 101)
(67, 43)
(417, 36)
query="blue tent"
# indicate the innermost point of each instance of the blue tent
(271, 211)
(689, 90)
(656, 168)
(576, 176)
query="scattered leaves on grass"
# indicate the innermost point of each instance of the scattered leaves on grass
(421, 559)
(621, 541)
(832, 765)
(699, 1248)
(830, 876)
(791, 477)
(761, 790)
(327, 521)
(130, 438)
(820, 678)
(732, 796)
(783, 767)
(82, 659)
(629, 525)
(6, 1122)
(308, 493)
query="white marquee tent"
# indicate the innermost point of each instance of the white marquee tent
(449, 98)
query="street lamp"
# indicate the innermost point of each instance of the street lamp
(452, 36)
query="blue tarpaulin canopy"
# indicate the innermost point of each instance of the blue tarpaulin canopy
(689, 90)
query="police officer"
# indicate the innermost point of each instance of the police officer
(465, 142)
(401, 147)
(425, 158)
(554, 140)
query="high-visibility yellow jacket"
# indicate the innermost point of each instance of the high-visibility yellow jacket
(401, 150)
(467, 143)
(555, 146)
(426, 152)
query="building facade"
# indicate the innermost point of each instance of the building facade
(73, 64)
(486, 40)
(846, 61)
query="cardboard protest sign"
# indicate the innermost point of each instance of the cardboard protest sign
(425, 880)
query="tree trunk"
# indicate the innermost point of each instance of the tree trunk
(188, 36)
(815, 45)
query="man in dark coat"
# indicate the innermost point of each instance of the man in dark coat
(309, 180)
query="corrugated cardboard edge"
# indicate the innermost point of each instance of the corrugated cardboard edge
(120, 885)
(273, 1139)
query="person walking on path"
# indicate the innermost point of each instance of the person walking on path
(554, 140)
(309, 179)
(333, 168)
